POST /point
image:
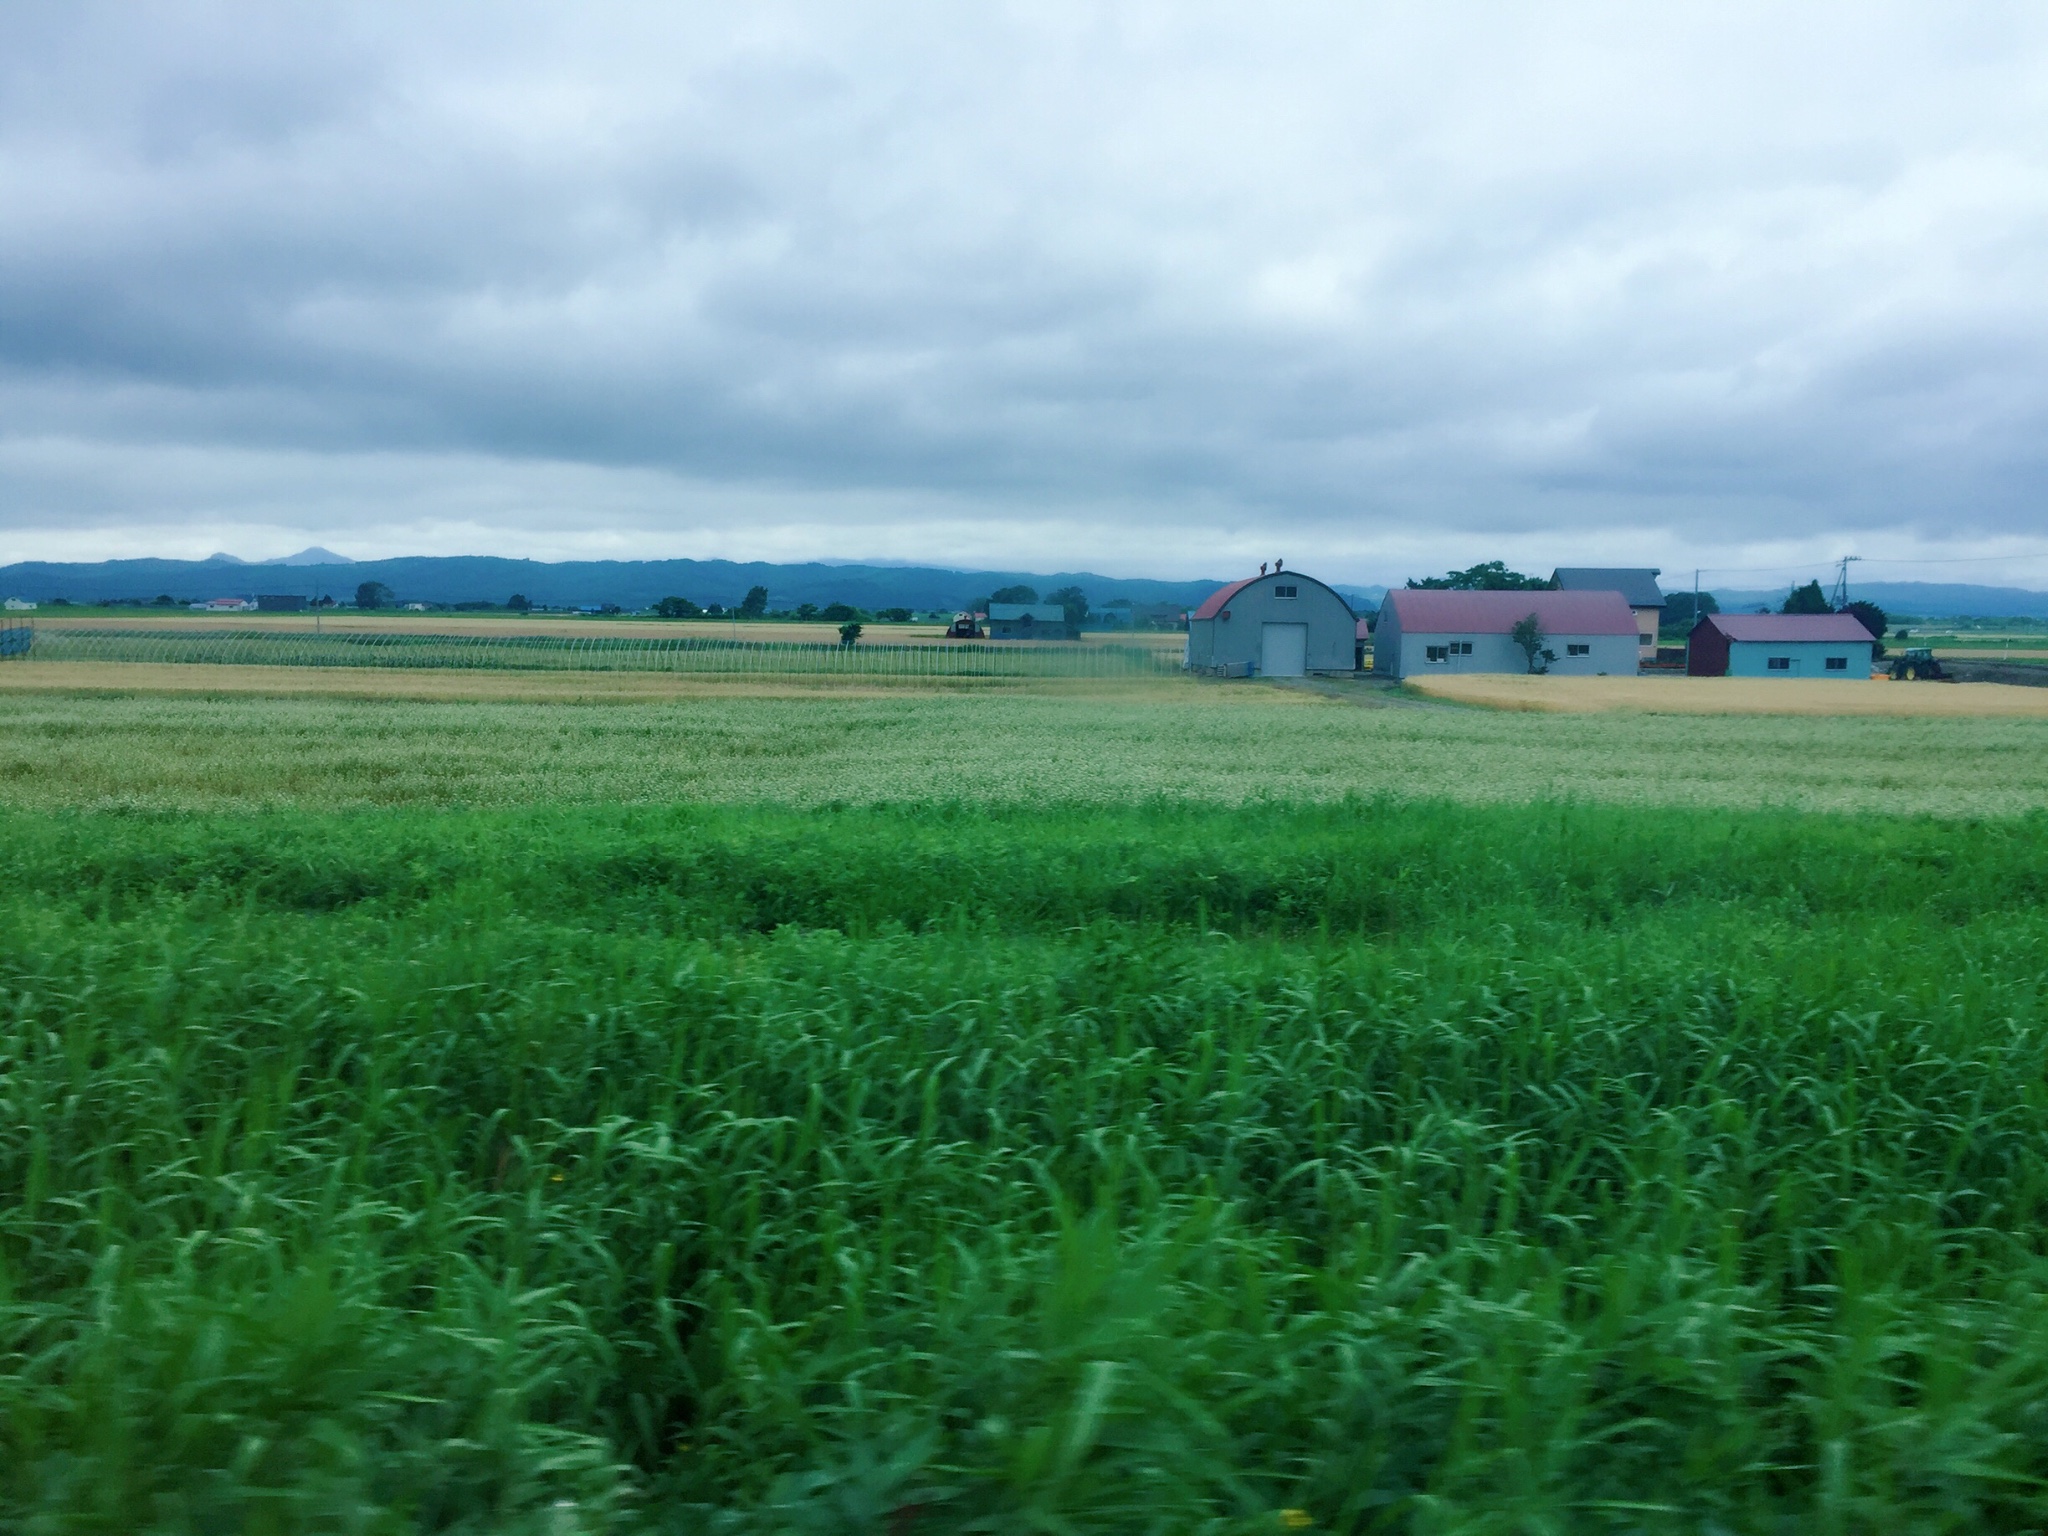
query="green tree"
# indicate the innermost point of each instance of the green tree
(677, 608)
(1528, 634)
(839, 613)
(807, 611)
(1491, 576)
(374, 594)
(517, 603)
(894, 615)
(755, 603)
(1075, 604)
(1872, 618)
(1016, 594)
(849, 632)
(1807, 599)
(163, 600)
(1680, 615)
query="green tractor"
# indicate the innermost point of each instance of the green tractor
(1917, 665)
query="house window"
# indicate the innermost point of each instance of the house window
(1578, 650)
(1838, 663)
(1437, 653)
(1646, 639)
(1461, 647)
(1286, 591)
(1778, 663)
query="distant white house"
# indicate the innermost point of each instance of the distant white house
(223, 605)
(19, 605)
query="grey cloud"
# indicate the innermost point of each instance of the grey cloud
(1440, 279)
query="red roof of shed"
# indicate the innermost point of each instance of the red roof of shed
(1430, 612)
(1833, 627)
(1214, 602)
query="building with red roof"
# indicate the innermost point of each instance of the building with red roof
(1422, 632)
(1275, 624)
(1826, 645)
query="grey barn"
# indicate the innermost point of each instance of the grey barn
(1282, 624)
(1027, 621)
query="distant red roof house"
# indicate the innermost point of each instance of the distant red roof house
(1779, 645)
(1788, 626)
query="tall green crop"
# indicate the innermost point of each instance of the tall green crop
(944, 1168)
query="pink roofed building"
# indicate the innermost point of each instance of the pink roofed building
(1423, 632)
(1824, 645)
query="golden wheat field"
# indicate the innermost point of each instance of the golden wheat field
(1738, 696)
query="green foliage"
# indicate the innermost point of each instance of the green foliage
(1074, 603)
(839, 613)
(1016, 594)
(1872, 618)
(1490, 576)
(1807, 599)
(755, 603)
(1420, 1167)
(1680, 614)
(849, 633)
(374, 594)
(518, 603)
(677, 608)
(1527, 633)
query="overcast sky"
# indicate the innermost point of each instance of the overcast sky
(1153, 290)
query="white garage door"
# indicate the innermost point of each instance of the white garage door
(1283, 650)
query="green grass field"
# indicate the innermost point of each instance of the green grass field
(1190, 1111)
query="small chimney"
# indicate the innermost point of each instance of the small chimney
(1276, 566)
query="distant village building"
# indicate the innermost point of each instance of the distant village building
(20, 605)
(1422, 633)
(1826, 645)
(1636, 584)
(1027, 621)
(1281, 624)
(280, 603)
(223, 605)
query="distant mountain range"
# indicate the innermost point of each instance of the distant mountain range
(577, 583)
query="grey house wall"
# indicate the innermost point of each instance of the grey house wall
(1397, 655)
(1236, 642)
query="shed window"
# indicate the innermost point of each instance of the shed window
(1287, 591)
(1461, 647)
(1838, 663)
(1778, 663)
(1437, 653)
(1578, 650)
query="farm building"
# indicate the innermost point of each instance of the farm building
(1282, 624)
(1779, 645)
(1637, 586)
(20, 605)
(1427, 632)
(1027, 621)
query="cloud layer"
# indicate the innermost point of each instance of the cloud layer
(1152, 289)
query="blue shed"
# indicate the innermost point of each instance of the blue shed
(1825, 645)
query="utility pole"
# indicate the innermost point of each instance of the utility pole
(1842, 581)
(1695, 624)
